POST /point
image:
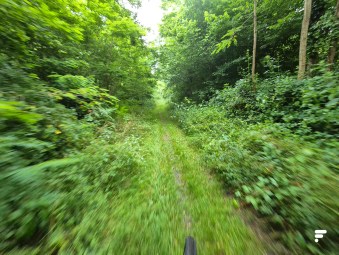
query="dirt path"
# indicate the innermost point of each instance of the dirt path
(200, 207)
(169, 197)
(173, 196)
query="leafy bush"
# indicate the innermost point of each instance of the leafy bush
(56, 195)
(80, 93)
(25, 200)
(43, 128)
(285, 178)
(237, 101)
(59, 69)
(87, 187)
(307, 106)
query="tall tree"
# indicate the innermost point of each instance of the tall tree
(255, 31)
(333, 49)
(200, 56)
(303, 38)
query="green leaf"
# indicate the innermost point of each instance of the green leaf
(25, 174)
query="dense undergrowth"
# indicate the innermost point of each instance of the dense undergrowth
(71, 72)
(276, 150)
(63, 66)
(58, 163)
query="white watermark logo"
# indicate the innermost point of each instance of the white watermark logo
(319, 234)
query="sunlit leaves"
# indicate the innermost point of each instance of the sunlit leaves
(11, 110)
(228, 39)
(62, 64)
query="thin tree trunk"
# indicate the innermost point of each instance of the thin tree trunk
(303, 39)
(255, 31)
(333, 49)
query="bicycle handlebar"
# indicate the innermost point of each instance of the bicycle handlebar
(190, 246)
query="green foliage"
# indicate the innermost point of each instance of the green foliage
(81, 94)
(26, 213)
(307, 107)
(63, 66)
(206, 43)
(14, 111)
(81, 193)
(288, 178)
(96, 38)
(46, 175)
(69, 69)
(323, 32)
(65, 193)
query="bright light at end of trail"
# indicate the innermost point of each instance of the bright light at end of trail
(150, 15)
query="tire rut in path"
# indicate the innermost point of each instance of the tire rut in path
(202, 209)
(181, 187)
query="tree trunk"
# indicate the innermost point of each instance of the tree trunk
(255, 31)
(303, 39)
(333, 49)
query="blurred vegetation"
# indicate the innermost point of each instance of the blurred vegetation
(77, 175)
(68, 69)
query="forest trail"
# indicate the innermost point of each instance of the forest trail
(173, 197)
(92, 162)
